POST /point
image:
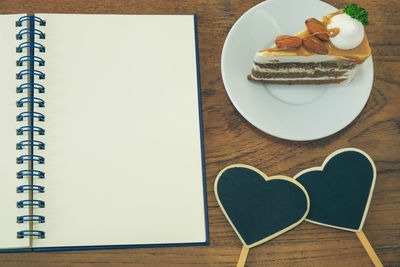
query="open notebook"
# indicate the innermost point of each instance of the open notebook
(106, 132)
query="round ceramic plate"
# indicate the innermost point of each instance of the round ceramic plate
(292, 112)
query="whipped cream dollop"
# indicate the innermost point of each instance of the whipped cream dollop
(351, 31)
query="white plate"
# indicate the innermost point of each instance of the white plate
(292, 112)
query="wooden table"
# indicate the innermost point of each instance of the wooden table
(230, 139)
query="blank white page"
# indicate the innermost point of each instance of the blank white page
(8, 138)
(123, 150)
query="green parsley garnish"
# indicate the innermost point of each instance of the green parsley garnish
(357, 13)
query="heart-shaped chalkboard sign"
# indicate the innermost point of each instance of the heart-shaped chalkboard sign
(341, 189)
(259, 207)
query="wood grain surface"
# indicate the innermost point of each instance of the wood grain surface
(230, 139)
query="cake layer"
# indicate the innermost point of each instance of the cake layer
(300, 74)
(307, 66)
(304, 73)
(264, 57)
(310, 81)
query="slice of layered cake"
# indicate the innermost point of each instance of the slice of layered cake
(328, 51)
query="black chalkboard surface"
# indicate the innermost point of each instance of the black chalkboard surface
(259, 207)
(340, 190)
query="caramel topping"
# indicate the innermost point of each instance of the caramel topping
(333, 32)
(356, 55)
(325, 20)
(278, 49)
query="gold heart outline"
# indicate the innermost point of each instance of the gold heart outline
(276, 177)
(321, 168)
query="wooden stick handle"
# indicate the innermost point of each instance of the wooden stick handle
(243, 256)
(371, 253)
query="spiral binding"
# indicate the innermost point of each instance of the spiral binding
(21, 130)
(32, 158)
(23, 45)
(29, 187)
(30, 31)
(30, 173)
(34, 100)
(31, 218)
(30, 102)
(30, 18)
(30, 202)
(25, 233)
(39, 144)
(30, 58)
(32, 86)
(30, 114)
(30, 72)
